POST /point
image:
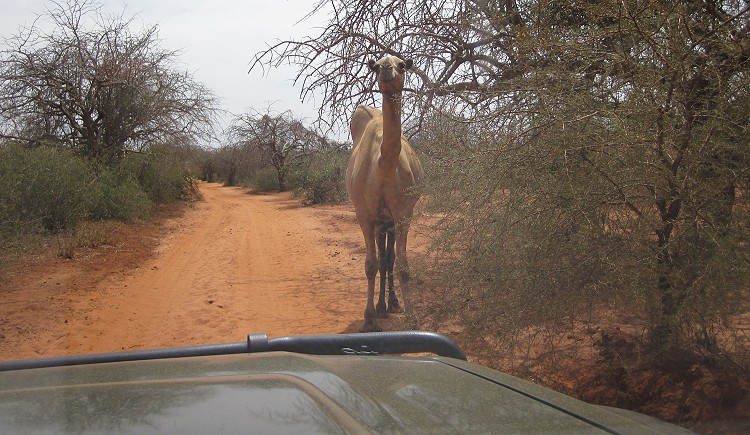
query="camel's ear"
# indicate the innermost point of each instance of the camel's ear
(408, 63)
(371, 64)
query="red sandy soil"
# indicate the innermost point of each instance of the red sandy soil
(232, 264)
(239, 262)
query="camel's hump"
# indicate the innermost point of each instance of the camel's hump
(371, 111)
(361, 117)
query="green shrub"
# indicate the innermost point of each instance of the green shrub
(116, 194)
(158, 176)
(321, 178)
(42, 186)
(265, 180)
(53, 189)
(92, 234)
(7, 187)
(86, 235)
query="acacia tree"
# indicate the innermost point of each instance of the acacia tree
(463, 49)
(279, 137)
(582, 153)
(90, 82)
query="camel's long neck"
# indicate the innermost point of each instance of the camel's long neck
(391, 147)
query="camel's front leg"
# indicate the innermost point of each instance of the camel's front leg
(381, 232)
(371, 269)
(402, 270)
(393, 305)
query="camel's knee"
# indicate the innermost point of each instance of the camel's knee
(371, 268)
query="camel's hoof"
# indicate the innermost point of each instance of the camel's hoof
(371, 326)
(394, 308)
(382, 312)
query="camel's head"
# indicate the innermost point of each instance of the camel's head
(390, 73)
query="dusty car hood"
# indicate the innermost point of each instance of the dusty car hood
(291, 393)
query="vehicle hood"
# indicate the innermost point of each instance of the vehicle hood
(283, 392)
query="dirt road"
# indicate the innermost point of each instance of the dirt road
(234, 263)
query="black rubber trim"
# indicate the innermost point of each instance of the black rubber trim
(374, 343)
(371, 343)
(137, 355)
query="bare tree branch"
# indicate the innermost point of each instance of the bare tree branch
(98, 85)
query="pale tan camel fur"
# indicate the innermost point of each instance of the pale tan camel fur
(383, 178)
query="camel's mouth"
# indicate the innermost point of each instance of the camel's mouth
(387, 76)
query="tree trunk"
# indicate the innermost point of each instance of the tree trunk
(665, 330)
(282, 179)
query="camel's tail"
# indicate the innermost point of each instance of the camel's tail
(388, 233)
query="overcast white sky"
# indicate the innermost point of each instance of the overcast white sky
(217, 40)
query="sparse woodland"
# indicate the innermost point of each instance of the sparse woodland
(584, 161)
(95, 123)
(580, 153)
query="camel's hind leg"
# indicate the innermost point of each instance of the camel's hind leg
(386, 237)
(381, 232)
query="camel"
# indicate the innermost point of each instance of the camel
(383, 178)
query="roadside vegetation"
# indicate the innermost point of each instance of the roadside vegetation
(54, 192)
(587, 167)
(95, 124)
(581, 154)
(270, 151)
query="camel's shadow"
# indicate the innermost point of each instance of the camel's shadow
(394, 322)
